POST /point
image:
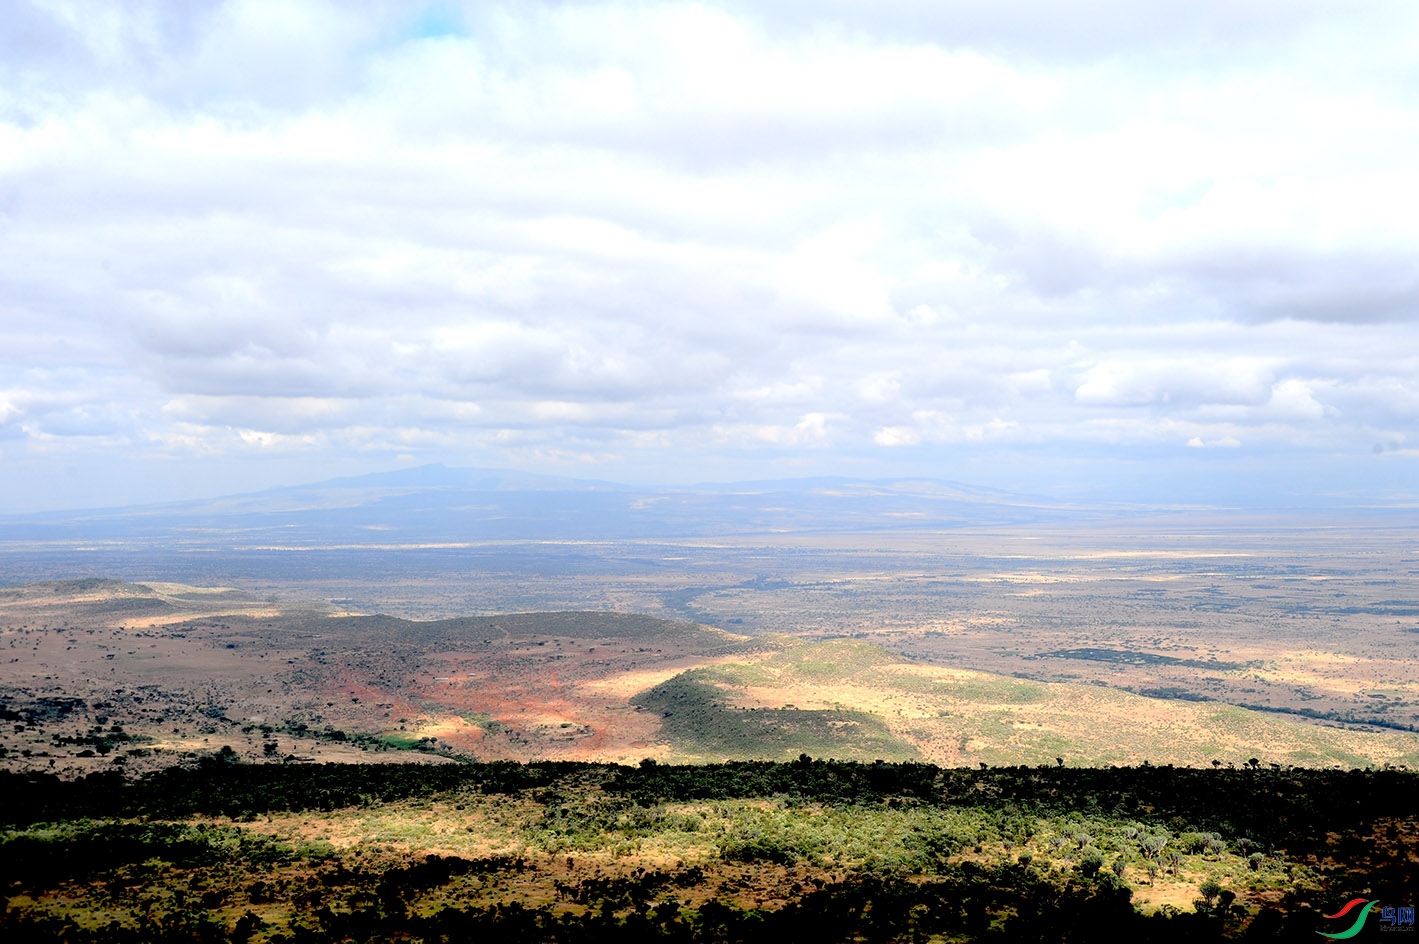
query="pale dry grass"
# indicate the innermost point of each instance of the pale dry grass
(1338, 672)
(169, 619)
(621, 686)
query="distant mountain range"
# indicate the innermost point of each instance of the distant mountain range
(436, 504)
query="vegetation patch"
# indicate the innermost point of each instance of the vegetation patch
(699, 719)
(1129, 657)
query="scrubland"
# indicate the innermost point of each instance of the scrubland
(811, 850)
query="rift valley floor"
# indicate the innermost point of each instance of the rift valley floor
(1097, 660)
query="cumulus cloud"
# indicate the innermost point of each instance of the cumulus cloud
(704, 239)
(1201, 378)
(1225, 442)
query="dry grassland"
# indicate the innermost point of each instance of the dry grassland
(959, 717)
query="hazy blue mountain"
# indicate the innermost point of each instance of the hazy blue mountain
(438, 504)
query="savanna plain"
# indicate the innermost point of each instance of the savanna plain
(1188, 727)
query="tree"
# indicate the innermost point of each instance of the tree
(1210, 890)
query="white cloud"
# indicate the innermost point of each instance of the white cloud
(10, 411)
(1223, 442)
(1171, 381)
(1293, 399)
(896, 436)
(774, 232)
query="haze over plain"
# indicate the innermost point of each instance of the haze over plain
(1081, 250)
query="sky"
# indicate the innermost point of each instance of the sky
(1097, 250)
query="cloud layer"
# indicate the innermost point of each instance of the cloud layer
(252, 240)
